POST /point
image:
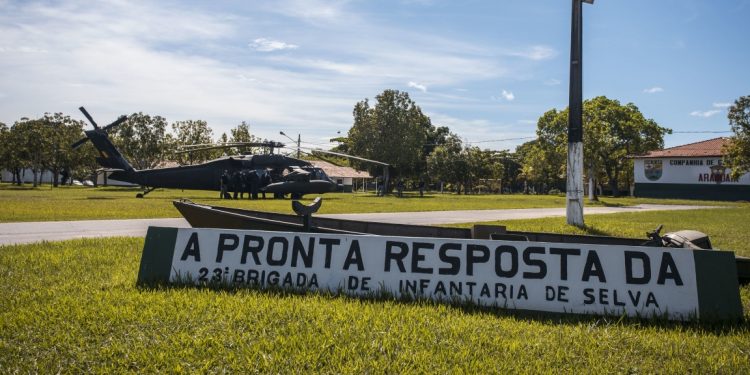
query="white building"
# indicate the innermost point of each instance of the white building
(27, 176)
(350, 178)
(693, 171)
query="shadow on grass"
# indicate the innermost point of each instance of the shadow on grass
(596, 232)
(119, 188)
(414, 196)
(16, 187)
(722, 327)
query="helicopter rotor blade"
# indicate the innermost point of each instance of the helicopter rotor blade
(213, 146)
(88, 116)
(117, 122)
(348, 156)
(79, 143)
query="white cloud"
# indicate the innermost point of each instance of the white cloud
(184, 62)
(704, 113)
(268, 45)
(313, 11)
(418, 86)
(507, 95)
(711, 112)
(552, 82)
(653, 90)
(535, 53)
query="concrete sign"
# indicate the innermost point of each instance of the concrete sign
(678, 284)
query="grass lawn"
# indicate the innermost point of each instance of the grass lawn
(73, 307)
(78, 203)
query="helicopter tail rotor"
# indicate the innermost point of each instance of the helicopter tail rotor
(81, 141)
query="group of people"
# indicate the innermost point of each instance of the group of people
(400, 186)
(237, 183)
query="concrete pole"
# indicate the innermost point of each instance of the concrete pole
(574, 190)
(299, 140)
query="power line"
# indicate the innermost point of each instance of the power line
(702, 131)
(500, 140)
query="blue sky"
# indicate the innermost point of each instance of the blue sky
(486, 69)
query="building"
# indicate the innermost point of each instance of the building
(350, 178)
(27, 176)
(692, 171)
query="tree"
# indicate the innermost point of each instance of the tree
(543, 166)
(4, 147)
(615, 132)
(29, 141)
(142, 139)
(394, 131)
(512, 170)
(446, 163)
(60, 132)
(241, 133)
(463, 166)
(737, 153)
(612, 133)
(13, 148)
(194, 132)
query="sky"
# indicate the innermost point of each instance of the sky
(486, 69)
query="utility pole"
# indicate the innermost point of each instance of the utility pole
(574, 187)
(299, 141)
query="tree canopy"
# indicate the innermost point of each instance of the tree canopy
(44, 144)
(194, 132)
(394, 131)
(612, 133)
(738, 151)
(142, 139)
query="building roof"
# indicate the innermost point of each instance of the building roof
(711, 147)
(336, 171)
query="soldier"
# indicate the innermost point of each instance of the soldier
(64, 175)
(243, 184)
(236, 185)
(265, 180)
(224, 185)
(421, 188)
(400, 187)
(254, 184)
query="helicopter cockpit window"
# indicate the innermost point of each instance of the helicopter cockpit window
(318, 174)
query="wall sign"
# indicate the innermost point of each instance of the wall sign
(702, 171)
(679, 284)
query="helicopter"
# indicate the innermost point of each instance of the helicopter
(277, 174)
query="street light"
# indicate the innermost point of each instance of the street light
(574, 186)
(298, 142)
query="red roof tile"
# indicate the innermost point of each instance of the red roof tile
(337, 171)
(711, 147)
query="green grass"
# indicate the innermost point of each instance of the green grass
(78, 203)
(73, 307)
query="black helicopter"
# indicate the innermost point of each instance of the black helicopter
(278, 174)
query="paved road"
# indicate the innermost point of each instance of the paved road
(454, 217)
(16, 233)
